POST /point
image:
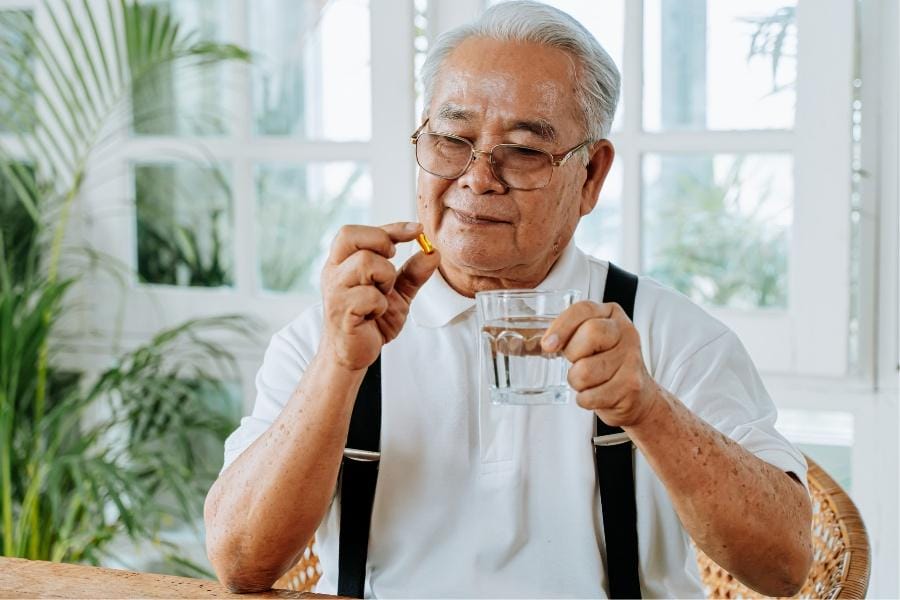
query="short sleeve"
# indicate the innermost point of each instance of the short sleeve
(720, 384)
(286, 359)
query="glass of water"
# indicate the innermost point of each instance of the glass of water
(511, 324)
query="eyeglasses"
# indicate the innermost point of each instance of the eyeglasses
(516, 166)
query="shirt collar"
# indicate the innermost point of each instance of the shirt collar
(437, 303)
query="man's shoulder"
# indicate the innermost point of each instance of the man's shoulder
(671, 325)
(658, 303)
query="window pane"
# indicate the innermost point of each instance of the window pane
(299, 210)
(716, 227)
(182, 99)
(600, 232)
(17, 226)
(17, 97)
(824, 436)
(184, 225)
(311, 76)
(719, 65)
(606, 20)
(420, 42)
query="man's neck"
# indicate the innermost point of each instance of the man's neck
(467, 282)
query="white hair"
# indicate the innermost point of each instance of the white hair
(526, 21)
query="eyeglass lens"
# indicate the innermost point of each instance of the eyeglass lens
(518, 167)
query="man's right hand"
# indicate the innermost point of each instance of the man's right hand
(366, 300)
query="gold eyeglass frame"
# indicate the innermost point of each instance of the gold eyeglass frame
(556, 160)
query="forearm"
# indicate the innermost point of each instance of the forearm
(264, 508)
(748, 516)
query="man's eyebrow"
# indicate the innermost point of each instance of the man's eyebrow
(539, 127)
(452, 112)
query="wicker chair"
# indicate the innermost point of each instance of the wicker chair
(841, 552)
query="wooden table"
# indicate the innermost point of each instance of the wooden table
(37, 579)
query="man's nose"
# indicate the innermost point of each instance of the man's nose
(479, 177)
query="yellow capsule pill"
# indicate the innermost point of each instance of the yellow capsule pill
(425, 244)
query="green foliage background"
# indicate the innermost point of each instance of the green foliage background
(85, 461)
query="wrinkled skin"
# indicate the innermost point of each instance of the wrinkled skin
(490, 236)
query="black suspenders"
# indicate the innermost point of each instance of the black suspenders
(359, 473)
(614, 463)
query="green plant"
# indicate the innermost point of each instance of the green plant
(178, 209)
(291, 228)
(82, 461)
(774, 36)
(710, 246)
(111, 456)
(164, 247)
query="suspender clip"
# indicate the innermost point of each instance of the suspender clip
(362, 455)
(612, 439)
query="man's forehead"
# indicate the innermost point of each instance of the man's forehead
(535, 124)
(520, 86)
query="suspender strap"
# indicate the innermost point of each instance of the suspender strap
(359, 474)
(615, 472)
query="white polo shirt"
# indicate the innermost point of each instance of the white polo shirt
(501, 501)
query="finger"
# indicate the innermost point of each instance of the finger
(404, 231)
(352, 238)
(608, 395)
(592, 371)
(593, 336)
(392, 320)
(563, 327)
(365, 267)
(415, 272)
(365, 302)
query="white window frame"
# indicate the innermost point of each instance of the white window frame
(107, 210)
(387, 153)
(110, 315)
(810, 336)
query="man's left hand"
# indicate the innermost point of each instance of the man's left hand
(607, 371)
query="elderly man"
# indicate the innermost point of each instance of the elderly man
(477, 499)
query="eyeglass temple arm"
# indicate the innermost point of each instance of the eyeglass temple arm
(561, 161)
(415, 135)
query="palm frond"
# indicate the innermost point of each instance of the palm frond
(69, 485)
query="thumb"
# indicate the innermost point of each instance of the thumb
(415, 272)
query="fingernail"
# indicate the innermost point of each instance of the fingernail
(411, 227)
(550, 342)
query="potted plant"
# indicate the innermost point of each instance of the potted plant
(82, 462)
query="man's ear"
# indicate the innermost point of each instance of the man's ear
(601, 159)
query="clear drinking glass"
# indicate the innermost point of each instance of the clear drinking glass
(511, 324)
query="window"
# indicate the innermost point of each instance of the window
(12, 118)
(230, 186)
(729, 134)
(184, 222)
(824, 436)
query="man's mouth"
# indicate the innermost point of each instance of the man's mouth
(473, 219)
